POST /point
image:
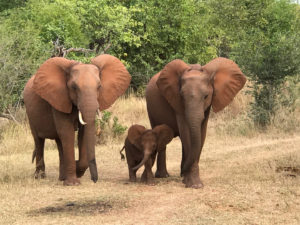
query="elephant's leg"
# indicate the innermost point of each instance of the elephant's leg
(144, 175)
(61, 160)
(69, 160)
(182, 163)
(161, 171)
(183, 156)
(132, 174)
(82, 162)
(147, 175)
(192, 178)
(39, 153)
(65, 130)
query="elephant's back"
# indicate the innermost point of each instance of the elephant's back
(159, 110)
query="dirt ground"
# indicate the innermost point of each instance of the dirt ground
(247, 181)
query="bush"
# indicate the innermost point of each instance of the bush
(268, 52)
(21, 53)
(106, 131)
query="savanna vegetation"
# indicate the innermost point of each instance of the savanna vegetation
(250, 164)
(250, 177)
(261, 36)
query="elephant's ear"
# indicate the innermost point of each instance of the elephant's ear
(50, 82)
(115, 79)
(169, 85)
(165, 135)
(228, 81)
(134, 134)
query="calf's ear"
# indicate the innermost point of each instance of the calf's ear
(164, 134)
(134, 135)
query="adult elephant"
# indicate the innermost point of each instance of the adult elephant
(63, 93)
(181, 96)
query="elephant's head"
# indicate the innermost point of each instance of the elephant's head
(66, 83)
(149, 141)
(192, 89)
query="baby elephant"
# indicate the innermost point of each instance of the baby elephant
(141, 146)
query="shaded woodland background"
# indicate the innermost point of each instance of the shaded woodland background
(261, 36)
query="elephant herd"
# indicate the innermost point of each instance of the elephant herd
(64, 96)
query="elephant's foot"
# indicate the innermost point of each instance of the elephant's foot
(61, 176)
(80, 168)
(192, 182)
(192, 179)
(147, 178)
(132, 179)
(39, 174)
(73, 181)
(132, 175)
(161, 174)
(150, 181)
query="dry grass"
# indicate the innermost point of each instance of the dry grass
(250, 177)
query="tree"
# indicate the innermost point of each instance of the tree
(263, 38)
(269, 51)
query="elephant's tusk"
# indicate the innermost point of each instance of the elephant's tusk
(80, 118)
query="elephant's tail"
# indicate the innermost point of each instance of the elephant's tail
(33, 155)
(122, 155)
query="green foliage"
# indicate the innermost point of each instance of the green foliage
(106, 128)
(57, 19)
(269, 52)
(5, 5)
(20, 54)
(117, 128)
(290, 93)
(261, 36)
(105, 119)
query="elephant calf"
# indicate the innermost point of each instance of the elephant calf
(141, 146)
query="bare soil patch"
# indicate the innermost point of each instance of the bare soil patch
(74, 208)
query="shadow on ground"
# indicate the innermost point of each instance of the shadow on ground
(289, 171)
(74, 208)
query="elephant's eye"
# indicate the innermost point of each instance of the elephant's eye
(99, 86)
(205, 97)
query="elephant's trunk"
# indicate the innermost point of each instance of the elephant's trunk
(194, 118)
(147, 154)
(89, 113)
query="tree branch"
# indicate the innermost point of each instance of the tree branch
(9, 116)
(67, 51)
(106, 48)
(61, 51)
